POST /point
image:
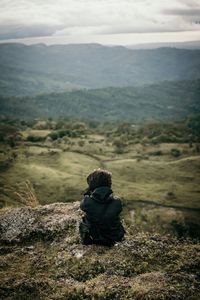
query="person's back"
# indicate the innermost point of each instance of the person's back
(101, 223)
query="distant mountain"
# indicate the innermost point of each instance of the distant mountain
(38, 69)
(166, 100)
(179, 45)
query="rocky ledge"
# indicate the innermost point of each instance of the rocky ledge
(42, 258)
(43, 222)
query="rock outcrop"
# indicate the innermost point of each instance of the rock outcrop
(42, 258)
(24, 223)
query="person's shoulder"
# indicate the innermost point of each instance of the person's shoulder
(85, 202)
(116, 203)
(86, 198)
(116, 198)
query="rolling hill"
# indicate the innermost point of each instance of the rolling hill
(165, 100)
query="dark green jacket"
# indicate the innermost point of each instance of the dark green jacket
(102, 210)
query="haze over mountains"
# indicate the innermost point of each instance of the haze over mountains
(38, 69)
(97, 82)
(180, 45)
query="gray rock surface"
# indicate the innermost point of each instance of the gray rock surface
(25, 223)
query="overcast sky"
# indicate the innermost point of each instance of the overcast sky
(102, 21)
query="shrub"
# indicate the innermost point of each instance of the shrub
(163, 138)
(156, 153)
(64, 132)
(35, 138)
(119, 146)
(194, 125)
(81, 143)
(9, 134)
(175, 152)
(53, 135)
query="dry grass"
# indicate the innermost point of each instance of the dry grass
(26, 195)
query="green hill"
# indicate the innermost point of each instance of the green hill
(165, 100)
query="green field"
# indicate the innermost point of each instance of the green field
(141, 175)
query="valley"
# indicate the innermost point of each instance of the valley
(153, 183)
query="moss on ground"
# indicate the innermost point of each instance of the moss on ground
(144, 266)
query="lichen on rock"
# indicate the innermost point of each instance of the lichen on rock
(25, 223)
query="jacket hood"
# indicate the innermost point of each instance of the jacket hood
(101, 194)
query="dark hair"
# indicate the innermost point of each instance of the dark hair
(99, 177)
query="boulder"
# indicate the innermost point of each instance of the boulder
(25, 223)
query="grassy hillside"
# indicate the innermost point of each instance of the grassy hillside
(158, 180)
(60, 176)
(166, 100)
(36, 69)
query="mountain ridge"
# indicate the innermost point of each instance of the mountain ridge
(166, 100)
(36, 69)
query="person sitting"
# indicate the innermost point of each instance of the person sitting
(101, 223)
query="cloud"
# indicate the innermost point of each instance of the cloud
(189, 4)
(37, 18)
(138, 29)
(187, 16)
(21, 31)
(183, 12)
